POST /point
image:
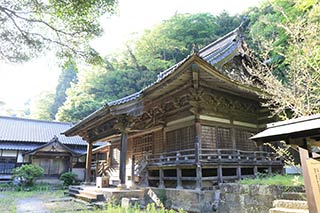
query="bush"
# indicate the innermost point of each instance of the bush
(68, 178)
(27, 174)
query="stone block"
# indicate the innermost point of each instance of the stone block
(129, 202)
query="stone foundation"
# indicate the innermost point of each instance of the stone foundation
(227, 198)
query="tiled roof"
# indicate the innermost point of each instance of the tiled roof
(18, 146)
(213, 53)
(28, 130)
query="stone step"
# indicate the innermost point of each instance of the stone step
(294, 196)
(285, 210)
(87, 198)
(97, 195)
(291, 204)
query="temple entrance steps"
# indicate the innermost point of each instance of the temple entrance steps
(289, 206)
(85, 195)
(92, 194)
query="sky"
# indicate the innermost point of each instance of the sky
(20, 83)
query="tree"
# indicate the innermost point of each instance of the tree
(99, 86)
(41, 107)
(27, 174)
(66, 78)
(30, 27)
(136, 67)
(173, 39)
(299, 93)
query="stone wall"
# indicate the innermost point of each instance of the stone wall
(252, 198)
(229, 197)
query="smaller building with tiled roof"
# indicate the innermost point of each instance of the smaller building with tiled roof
(39, 142)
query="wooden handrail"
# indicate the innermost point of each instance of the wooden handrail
(212, 155)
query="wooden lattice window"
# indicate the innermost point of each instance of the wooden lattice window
(224, 138)
(243, 142)
(180, 139)
(142, 145)
(208, 137)
(158, 141)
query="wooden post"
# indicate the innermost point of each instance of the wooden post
(198, 157)
(88, 163)
(199, 177)
(255, 171)
(220, 175)
(269, 170)
(312, 202)
(97, 164)
(197, 142)
(161, 181)
(179, 175)
(123, 154)
(132, 171)
(239, 172)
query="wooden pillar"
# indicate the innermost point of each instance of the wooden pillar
(161, 181)
(220, 175)
(197, 156)
(132, 171)
(123, 155)
(88, 163)
(199, 177)
(179, 181)
(233, 136)
(255, 171)
(269, 170)
(97, 164)
(239, 172)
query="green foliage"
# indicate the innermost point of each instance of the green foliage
(281, 180)
(41, 107)
(27, 173)
(173, 39)
(285, 35)
(68, 178)
(270, 22)
(136, 67)
(66, 78)
(30, 27)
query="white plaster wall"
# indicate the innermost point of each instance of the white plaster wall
(20, 157)
(9, 153)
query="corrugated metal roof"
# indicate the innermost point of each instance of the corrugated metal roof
(29, 130)
(284, 128)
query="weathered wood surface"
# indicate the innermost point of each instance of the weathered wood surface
(226, 156)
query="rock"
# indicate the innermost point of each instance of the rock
(129, 202)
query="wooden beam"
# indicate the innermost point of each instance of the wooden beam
(161, 181)
(123, 155)
(88, 163)
(179, 175)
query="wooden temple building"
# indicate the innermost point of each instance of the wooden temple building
(39, 142)
(189, 129)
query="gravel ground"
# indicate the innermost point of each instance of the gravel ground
(42, 202)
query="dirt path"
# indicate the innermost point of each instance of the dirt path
(31, 204)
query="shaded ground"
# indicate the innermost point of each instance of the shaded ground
(36, 202)
(31, 204)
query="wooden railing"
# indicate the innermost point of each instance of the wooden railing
(213, 156)
(102, 167)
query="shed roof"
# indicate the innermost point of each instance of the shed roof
(14, 129)
(306, 126)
